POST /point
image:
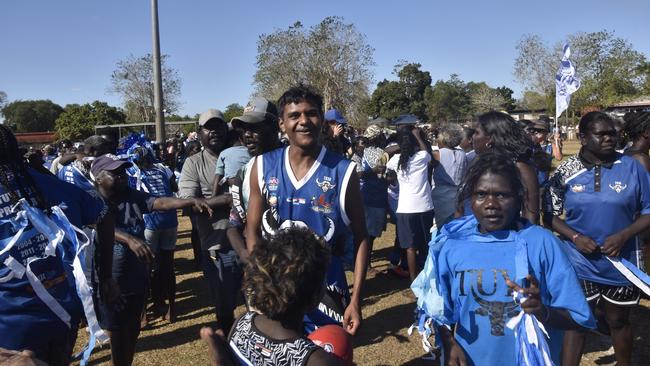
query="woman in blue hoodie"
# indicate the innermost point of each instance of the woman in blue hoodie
(479, 267)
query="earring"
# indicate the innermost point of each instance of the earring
(488, 145)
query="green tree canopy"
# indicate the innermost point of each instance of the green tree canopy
(78, 121)
(449, 100)
(233, 110)
(405, 95)
(31, 115)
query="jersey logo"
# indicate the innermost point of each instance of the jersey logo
(577, 188)
(273, 184)
(618, 187)
(326, 184)
(497, 312)
(321, 205)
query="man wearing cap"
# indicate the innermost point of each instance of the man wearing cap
(217, 257)
(258, 127)
(334, 137)
(129, 270)
(539, 130)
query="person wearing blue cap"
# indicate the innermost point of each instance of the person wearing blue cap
(334, 137)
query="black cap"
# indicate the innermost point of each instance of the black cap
(107, 162)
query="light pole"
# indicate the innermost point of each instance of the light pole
(157, 75)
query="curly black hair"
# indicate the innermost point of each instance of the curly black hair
(284, 275)
(636, 123)
(300, 93)
(495, 163)
(507, 136)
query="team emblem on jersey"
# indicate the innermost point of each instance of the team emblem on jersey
(296, 201)
(618, 187)
(577, 188)
(326, 184)
(273, 184)
(321, 205)
(273, 200)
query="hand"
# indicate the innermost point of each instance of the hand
(202, 206)
(337, 130)
(352, 319)
(218, 351)
(585, 244)
(533, 303)
(141, 250)
(109, 291)
(15, 358)
(456, 356)
(613, 245)
(379, 169)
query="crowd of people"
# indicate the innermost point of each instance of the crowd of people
(286, 197)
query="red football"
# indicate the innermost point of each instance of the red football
(335, 340)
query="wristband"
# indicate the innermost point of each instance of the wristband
(575, 236)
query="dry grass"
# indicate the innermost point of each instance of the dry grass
(382, 339)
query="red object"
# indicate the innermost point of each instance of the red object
(335, 340)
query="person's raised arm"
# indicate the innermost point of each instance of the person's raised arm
(355, 212)
(556, 147)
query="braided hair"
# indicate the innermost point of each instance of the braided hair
(14, 168)
(636, 123)
(284, 275)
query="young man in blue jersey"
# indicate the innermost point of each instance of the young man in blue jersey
(605, 197)
(304, 184)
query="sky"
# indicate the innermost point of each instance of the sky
(66, 50)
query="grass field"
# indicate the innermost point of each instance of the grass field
(382, 340)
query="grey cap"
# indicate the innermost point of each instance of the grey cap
(406, 119)
(211, 114)
(257, 110)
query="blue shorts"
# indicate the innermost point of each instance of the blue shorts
(161, 239)
(375, 221)
(131, 276)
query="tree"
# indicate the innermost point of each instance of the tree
(510, 102)
(332, 57)
(448, 101)
(533, 101)
(233, 110)
(405, 95)
(3, 99)
(78, 121)
(31, 115)
(608, 67)
(133, 80)
(483, 98)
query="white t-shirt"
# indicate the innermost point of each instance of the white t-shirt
(414, 187)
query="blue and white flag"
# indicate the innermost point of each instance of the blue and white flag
(565, 83)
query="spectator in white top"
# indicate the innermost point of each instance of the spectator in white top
(415, 205)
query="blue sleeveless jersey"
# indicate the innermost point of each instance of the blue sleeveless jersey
(156, 182)
(316, 201)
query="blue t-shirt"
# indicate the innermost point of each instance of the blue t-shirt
(231, 160)
(18, 302)
(72, 174)
(316, 201)
(472, 272)
(156, 182)
(597, 202)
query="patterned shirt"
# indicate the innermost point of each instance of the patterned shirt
(252, 347)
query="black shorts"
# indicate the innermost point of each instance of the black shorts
(414, 229)
(618, 295)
